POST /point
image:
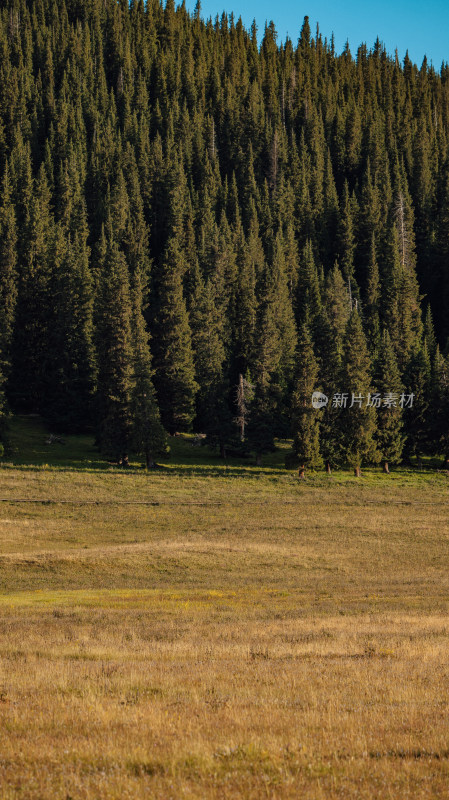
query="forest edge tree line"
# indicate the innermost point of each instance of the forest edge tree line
(181, 207)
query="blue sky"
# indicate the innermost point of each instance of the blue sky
(422, 28)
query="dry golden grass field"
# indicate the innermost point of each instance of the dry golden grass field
(210, 632)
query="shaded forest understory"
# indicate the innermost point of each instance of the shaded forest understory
(200, 227)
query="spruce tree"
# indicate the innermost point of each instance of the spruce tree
(213, 415)
(305, 418)
(417, 382)
(372, 300)
(173, 355)
(439, 274)
(34, 310)
(148, 435)
(429, 333)
(439, 407)
(337, 302)
(69, 381)
(115, 358)
(260, 430)
(309, 294)
(275, 337)
(443, 411)
(277, 293)
(389, 434)
(246, 303)
(346, 240)
(329, 351)
(358, 422)
(8, 274)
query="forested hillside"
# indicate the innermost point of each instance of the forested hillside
(200, 226)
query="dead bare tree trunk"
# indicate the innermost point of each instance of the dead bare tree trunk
(244, 393)
(242, 407)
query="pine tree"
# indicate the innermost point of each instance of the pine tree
(346, 239)
(358, 423)
(409, 297)
(248, 263)
(277, 293)
(329, 351)
(115, 358)
(173, 355)
(309, 295)
(402, 316)
(212, 408)
(260, 430)
(306, 419)
(69, 382)
(417, 381)
(429, 333)
(443, 411)
(2, 417)
(8, 274)
(389, 435)
(330, 217)
(148, 435)
(438, 429)
(275, 341)
(372, 299)
(439, 274)
(337, 302)
(267, 372)
(31, 347)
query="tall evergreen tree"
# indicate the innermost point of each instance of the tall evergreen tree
(346, 239)
(439, 407)
(417, 381)
(306, 419)
(358, 423)
(309, 294)
(212, 402)
(8, 274)
(115, 357)
(173, 355)
(147, 434)
(372, 301)
(387, 379)
(31, 349)
(329, 350)
(260, 430)
(337, 302)
(69, 382)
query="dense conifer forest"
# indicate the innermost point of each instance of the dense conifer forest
(201, 225)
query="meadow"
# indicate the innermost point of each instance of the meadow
(219, 631)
